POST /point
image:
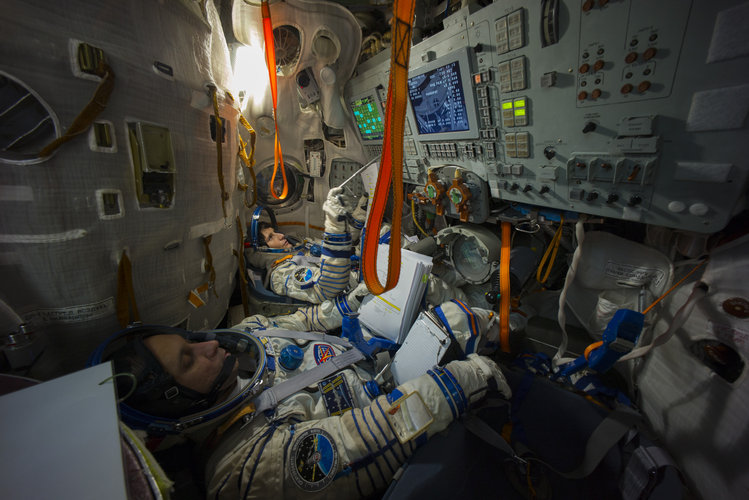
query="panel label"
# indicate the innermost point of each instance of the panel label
(634, 275)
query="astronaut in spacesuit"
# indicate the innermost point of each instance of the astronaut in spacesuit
(292, 271)
(326, 281)
(290, 414)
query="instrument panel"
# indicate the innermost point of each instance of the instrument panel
(627, 109)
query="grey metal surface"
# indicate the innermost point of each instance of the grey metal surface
(666, 151)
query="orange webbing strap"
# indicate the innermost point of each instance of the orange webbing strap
(86, 117)
(209, 264)
(242, 270)
(390, 175)
(219, 153)
(125, 292)
(504, 288)
(591, 348)
(282, 259)
(270, 61)
(248, 160)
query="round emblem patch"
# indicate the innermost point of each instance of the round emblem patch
(323, 352)
(314, 462)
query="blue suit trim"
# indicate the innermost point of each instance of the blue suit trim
(441, 316)
(344, 254)
(369, 450)
(257, 461)
(472, 325)
(388, 445)
(390, 426)
(457, 386)
(445, 393)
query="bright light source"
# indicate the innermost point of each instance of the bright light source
(250, 72)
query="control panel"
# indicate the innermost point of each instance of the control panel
(628, 109)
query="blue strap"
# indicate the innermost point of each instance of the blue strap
(472, 325)
(441, 316)
(445, 393)
(344, 254)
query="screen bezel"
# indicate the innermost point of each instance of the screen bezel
(466, 72)
(373, 95)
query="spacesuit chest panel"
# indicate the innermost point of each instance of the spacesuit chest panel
(333, 395)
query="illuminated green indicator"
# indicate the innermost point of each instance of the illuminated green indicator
(367, 118)
(520, 103)
(519, 112)
(507, 105)
(456, 196)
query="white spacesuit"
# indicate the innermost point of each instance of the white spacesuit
(290, 270)
(306, 418)
(339, 437)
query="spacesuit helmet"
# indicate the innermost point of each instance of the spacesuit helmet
(152, 399)
(259, 254)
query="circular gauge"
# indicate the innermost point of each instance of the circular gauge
(456, 196)
(314, 460)
(431, 191)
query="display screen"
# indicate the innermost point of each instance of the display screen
(368, 118)
(438, 101)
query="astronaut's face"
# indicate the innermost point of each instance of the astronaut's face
(193, 365)
(274, 239)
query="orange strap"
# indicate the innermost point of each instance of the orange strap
(88, 114)
(390, 175)
(673, 287)
(592, 347)
(270, 61)
(278, 261)
(504, 288)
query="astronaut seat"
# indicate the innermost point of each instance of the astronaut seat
(258, 262)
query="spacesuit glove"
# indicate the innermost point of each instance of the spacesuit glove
(477, 375)
(356, 296)
(335, 211)
(360, 213)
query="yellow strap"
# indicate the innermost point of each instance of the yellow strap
(413, 216)
(86, 117)
(551, 249)
(248, 159)
(504, 288)
(250, 408)
(219, 153)
(276, 262)
(126, 293)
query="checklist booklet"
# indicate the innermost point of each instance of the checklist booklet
(391, 314)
